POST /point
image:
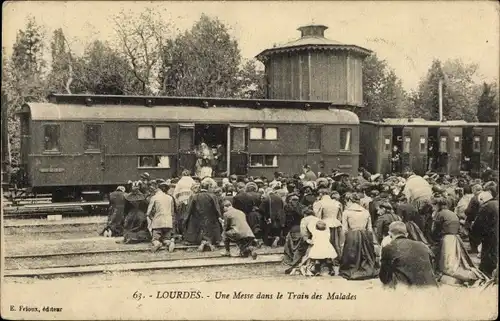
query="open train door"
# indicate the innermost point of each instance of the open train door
(488, 147)
(455, 150)
(443, 150)
(384, 162)
(406, 153)
(418, 148)
(187, 154)
(476, 157)
(238, 147)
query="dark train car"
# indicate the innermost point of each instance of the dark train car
(76, 143)
(447, 147)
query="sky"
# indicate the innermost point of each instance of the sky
(407, 34)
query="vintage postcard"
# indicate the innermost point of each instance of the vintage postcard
(249, 160)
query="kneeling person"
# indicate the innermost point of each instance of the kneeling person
(161, 210)
(236, 229)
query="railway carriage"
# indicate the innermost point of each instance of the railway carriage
(457, 145)
(75, 145)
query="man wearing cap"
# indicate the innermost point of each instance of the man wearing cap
(406, 262)
(485, 230)
(328, 210)
(144, 188)
(386, 217)
(236, 229)
(161, 211)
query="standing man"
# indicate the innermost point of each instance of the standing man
(161, 210)
(396, 159)
(406, 261)
(236, 229)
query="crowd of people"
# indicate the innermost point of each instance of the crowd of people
(404, 229)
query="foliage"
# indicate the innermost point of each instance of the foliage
(202, 62)
(383, 93)
(251, 81)
(23, 78)
(102, 70)
(61, 73)
(487, 106)
(142, 40)
(460, 92)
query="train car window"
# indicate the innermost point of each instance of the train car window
(457, 142)
(92, 137)
(476, 145)
(387, 143)
(314, 138)
(406, 144)
(51, 138)
(345, 139)
(256, 133)
(153, 161)
(186, 139)
(162, 132)
(145, 132)
(423, 147)
(271, 133)
(489, 143)
(443, 144)
(264, 161)
(238, 139)
(162, 161)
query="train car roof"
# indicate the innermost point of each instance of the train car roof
(420, 122)
(104, 112)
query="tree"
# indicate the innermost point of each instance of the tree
(427, 106)
(203, 62)
(459, 91)
(61, 75)
(251, 81)
(23, 78)
(487, 107)
(383, 93)
(460, 94)
(142, 40)
(102, 70)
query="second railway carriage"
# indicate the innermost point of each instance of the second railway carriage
(454, 146)
(79, 143)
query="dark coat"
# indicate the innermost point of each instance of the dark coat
(472, 210)
(116, 215)
(246, 201)
(202, 221)
(382, 226)
(407, 262)
(272, 208)
(409, 213)
(485, 229)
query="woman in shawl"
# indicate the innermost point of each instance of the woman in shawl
(454, 265)
(358, 260)
(135, 227)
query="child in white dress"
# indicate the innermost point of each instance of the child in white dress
(322, 252)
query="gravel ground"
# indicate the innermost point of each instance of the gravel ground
(54, 232)
(115, 258)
